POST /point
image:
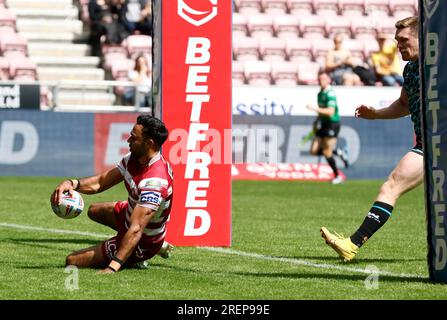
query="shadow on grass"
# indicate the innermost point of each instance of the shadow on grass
(356, 261)
(333, 276)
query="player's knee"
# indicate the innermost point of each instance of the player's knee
(92, 212)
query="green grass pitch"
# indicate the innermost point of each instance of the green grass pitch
(276, 253)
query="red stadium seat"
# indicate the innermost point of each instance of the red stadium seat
(349, 8)
(260, 25)
(320, 49)
(238, 74)
(299, 50)
(338, 25)
(4, 66)
(386, 25)
(377, 8)
(356, 47)
(308, 73)
(22, 69)
(326, 8)
(313, 27)
(120, 69)
(285, 74)
(300, 7)
(245, 49)
(258, 73)
(369, 48)
(286, 26)
(112, 53)
(272, 49)
(239, 25)
(274, 7)
(363, 28)
(13, 44)
(402, 8)
(248, 6)
(137, 45)
(7, 18)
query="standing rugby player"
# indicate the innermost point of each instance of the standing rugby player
(409, 172)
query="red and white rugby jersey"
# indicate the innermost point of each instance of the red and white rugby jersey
(149, 186)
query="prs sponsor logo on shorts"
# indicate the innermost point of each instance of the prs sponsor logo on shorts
(150, 197)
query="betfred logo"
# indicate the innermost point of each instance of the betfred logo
(196, 17)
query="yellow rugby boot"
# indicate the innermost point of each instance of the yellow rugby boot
(343, 246)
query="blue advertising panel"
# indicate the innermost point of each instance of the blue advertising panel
(374, 147)
(34, 143)
(433, 49)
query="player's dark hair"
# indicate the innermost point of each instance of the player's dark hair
(153, 128)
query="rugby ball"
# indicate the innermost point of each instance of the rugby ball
(70, 206)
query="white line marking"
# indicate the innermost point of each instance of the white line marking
(231, 252)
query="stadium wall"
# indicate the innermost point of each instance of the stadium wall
(34, 143)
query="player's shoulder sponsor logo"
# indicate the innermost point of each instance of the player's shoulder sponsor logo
(196, 17)
(150, 197)
(153, 184)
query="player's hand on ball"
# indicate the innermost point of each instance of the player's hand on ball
(365, 112)
(57, 194)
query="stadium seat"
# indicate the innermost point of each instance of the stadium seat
(239, 25)
(248, 6)
(338, 25)
(245, 49)
(112, 53)
(285, 74)
(326, 8)
(120, 69)
(257, 73)
(260, 25)
(4, 66)
(369, 47)
(320, 49)
(312, 27)
(402, 8)
(7, 18)
(363, 28)
(356, 47)
(386, 25)
(308, 73)
(138, 44)
(377, 8)
(286, 26)
(300, 7)
(22, 69)
(238, 74)
(299, 50)
(13, 44)
(349, 8)
(272, 49)
(274, 7)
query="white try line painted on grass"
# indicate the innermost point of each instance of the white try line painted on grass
(294, 261)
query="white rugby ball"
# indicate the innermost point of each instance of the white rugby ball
(70, 206)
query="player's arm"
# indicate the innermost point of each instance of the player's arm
(397, 109)
(89, 185)
(139, 219)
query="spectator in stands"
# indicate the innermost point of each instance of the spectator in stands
(141, 76)
(136, 15)
(104, 21)
(339, 65)
(386, 62)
